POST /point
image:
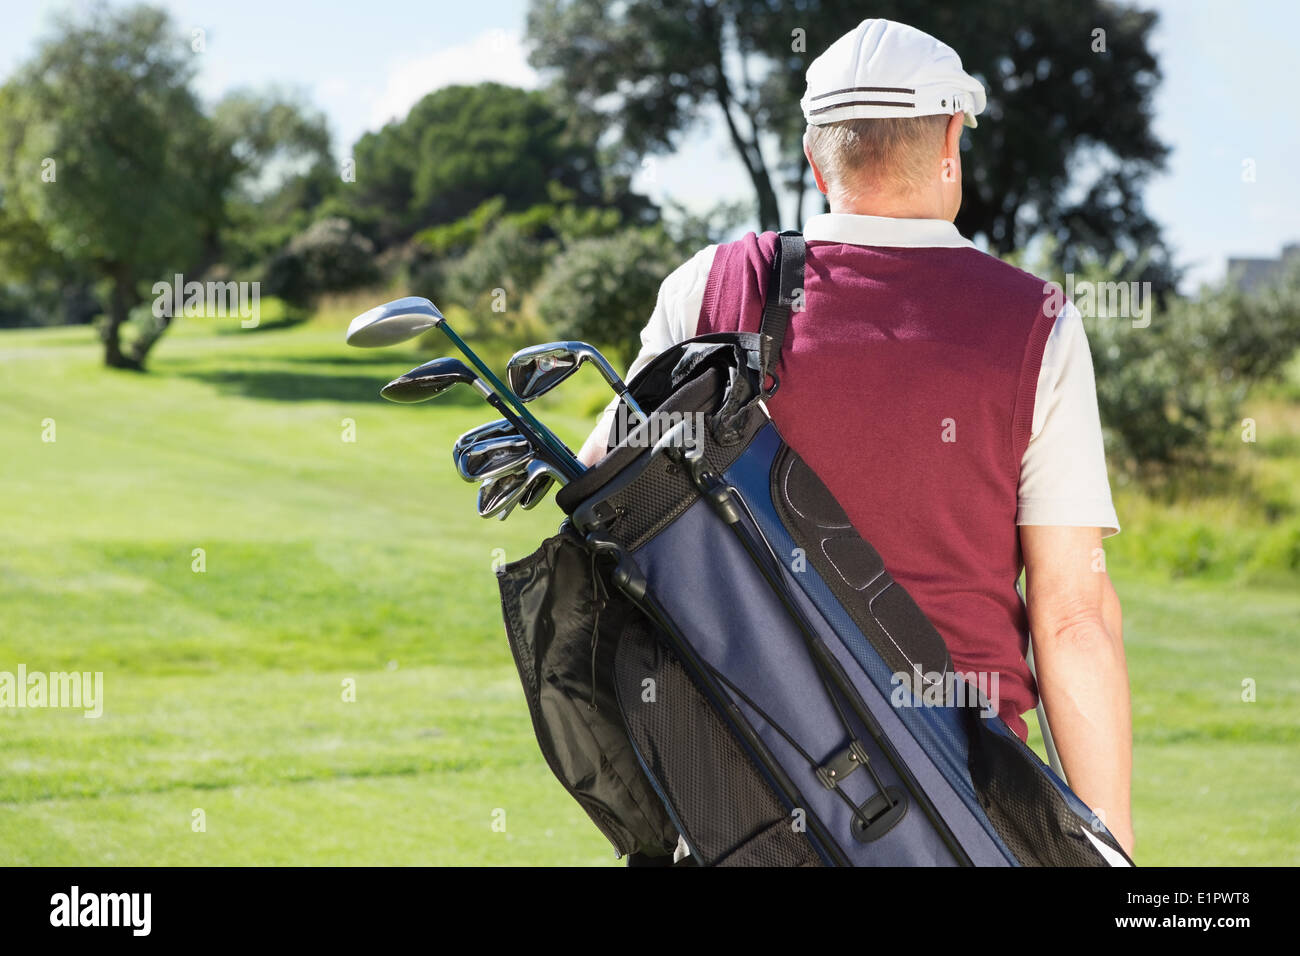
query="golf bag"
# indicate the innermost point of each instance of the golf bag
(708, 648)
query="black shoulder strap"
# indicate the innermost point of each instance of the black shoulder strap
(786, 283)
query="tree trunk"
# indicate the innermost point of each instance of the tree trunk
(769, 214)
(119, 307)
(141, 346)
(800, 186)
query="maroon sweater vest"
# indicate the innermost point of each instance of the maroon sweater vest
(907, 384)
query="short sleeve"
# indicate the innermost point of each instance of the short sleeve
(677, 308)
(675, 318)
(1063, 478)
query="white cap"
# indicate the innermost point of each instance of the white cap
(885, 69)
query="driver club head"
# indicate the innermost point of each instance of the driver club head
(393, 322)
(428, 381)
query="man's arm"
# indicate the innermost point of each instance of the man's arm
(1074, 616)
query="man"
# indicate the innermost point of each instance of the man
(944, 397)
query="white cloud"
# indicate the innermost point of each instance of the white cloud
(497, 55)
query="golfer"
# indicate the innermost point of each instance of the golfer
(946, 398)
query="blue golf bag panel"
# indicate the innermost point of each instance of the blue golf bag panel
(741, 632)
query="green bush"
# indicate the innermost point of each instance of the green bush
(491, 280)
(1171, 392)
(602, 290)
(461, 234)
(329, 256)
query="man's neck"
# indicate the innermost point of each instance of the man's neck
(892, 207)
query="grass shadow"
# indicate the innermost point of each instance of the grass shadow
(369, 357)
(283, 385)
(288, 386)
(265, 325)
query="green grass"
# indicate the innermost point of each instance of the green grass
(330, 561)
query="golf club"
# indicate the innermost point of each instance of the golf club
(494, 456)
(537, 369)
(393, 322)
(538, 478)
(493, 429)
(498, 495)
(406, 318)
(537, 482)
(433, 378)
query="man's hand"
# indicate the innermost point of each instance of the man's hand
(593, 449)
(1074, 616)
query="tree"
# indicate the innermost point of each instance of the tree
(1062, 111)
(284, 172)
(460, 146)
(651, 67)
(108, 154)
(37, 286)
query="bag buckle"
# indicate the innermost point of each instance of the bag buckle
(842, 764)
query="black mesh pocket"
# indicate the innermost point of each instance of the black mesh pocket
(1026, 809)
(562, 620)
(730, 814)
(772, 847)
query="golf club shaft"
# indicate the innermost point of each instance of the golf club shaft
(563, 460)
(631, 402)
(617, 384)
(557, 448)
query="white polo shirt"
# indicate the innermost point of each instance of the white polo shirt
(1063, 477)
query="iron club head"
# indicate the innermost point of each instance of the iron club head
(494, 429)
(492, 457)
(536, 370)
(499, 494)
(539, 479)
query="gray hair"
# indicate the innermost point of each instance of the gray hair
(867, 155)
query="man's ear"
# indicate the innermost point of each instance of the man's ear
(951, 162)
(817, 173)
(952, 136)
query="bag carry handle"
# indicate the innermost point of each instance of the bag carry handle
(786, 281)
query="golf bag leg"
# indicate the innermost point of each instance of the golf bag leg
(1053, 759)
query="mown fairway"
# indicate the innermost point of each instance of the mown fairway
(329, 560)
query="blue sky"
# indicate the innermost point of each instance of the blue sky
(1229, 82)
